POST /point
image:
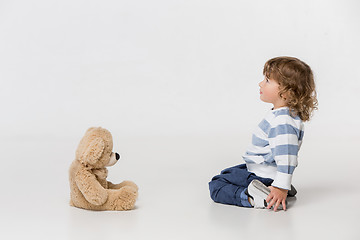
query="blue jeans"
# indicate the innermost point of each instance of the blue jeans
(229, 187)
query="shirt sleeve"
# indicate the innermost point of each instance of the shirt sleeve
(284, 144)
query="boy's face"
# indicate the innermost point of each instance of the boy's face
(269, 92)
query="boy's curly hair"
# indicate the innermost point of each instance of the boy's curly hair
(296, 82)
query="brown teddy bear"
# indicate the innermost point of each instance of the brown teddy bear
(89, 188)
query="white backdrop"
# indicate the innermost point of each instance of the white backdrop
(168, 67)
(176, 82)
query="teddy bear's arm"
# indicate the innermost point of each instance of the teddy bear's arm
(93, 192)
(114, 186)
(123, 184)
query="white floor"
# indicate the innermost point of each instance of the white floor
(174, 203)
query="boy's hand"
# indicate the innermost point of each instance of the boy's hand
(276, 197)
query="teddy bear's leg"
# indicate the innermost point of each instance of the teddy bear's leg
(123, 184)
(121, 199)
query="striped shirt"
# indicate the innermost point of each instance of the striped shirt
(275, 146)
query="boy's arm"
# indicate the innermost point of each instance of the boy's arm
(284, 146)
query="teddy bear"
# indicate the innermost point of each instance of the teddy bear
(89, 188)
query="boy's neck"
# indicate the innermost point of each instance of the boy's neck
(279, 103)
(277, 107)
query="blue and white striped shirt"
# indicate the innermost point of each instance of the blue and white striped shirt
(275, 146)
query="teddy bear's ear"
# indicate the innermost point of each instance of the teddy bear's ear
(94, 150)
(89, 129)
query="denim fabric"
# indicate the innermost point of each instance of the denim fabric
(229, 187)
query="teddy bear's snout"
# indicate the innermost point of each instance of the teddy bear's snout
(113, 159)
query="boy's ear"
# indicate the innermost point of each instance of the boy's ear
(94, 151)
(284, 95)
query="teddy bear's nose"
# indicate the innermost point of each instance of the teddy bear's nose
(117, 156)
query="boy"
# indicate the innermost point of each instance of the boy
(265, 178)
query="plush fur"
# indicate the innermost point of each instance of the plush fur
(89, 188)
